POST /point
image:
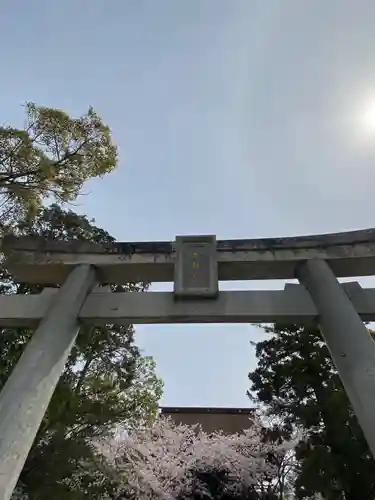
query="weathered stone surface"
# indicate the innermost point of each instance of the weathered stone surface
(36, 260)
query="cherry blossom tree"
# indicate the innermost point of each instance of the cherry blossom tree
(179, 462)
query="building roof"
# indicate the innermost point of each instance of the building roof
(227, 420)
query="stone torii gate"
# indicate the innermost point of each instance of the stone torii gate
(195, 264)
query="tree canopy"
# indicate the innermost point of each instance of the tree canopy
(53, 155)
(297, 382)
(107, 383)
(180, 462)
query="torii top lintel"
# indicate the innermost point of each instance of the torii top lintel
(37, 260)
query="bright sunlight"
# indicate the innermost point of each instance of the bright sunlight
(368, 118)
(360, 124)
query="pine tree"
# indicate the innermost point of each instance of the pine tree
(52, 156)
(297, 382)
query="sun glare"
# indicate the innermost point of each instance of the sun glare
(367, 118)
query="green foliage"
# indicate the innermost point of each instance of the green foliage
(106, 384)
(52, 156)
(298, 383)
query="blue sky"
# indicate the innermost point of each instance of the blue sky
(240, 118)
